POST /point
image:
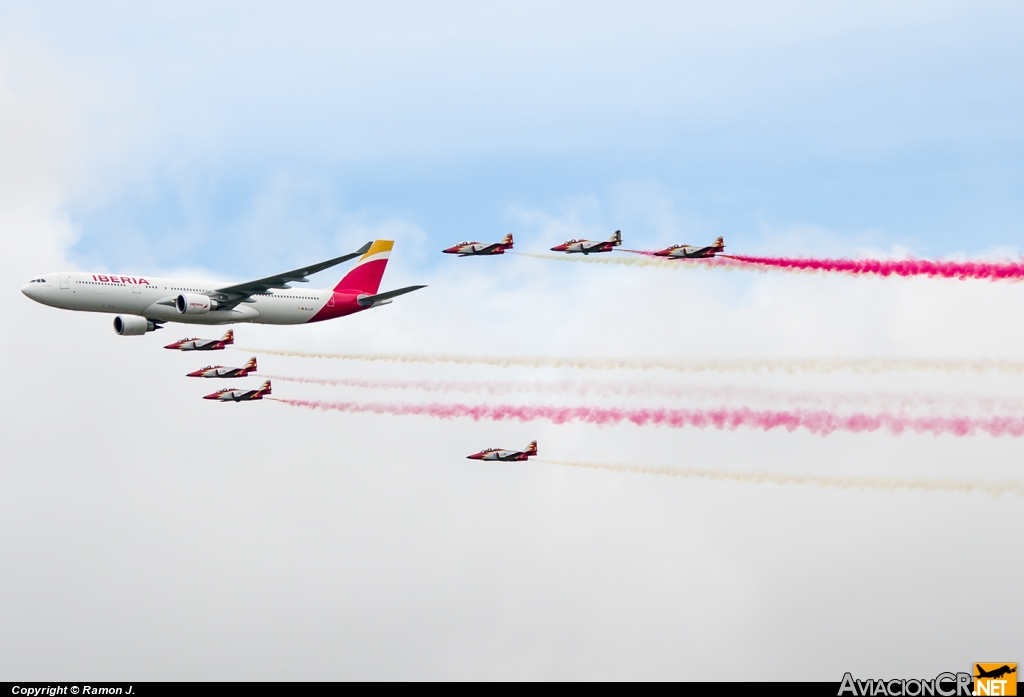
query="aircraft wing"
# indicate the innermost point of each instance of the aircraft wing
(230, 296)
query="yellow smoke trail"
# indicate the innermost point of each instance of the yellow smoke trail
(832, 482)
(798, 365)
(619, 259)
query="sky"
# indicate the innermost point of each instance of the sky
(153, 536)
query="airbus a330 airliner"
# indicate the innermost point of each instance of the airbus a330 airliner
(143, 304)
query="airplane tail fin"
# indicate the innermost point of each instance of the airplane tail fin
(531, 449)
(507, 240)
(368, 271)
(264, 388)
(616, 238)
(719, 244)
(251, 365)
(229, 337)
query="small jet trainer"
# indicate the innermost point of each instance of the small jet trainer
(686, 251)
(231, 395)
(473, 249)
(220, 371)
(589, 246)
(204, 344)
(506, 455)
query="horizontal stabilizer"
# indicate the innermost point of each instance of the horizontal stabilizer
(381, 298)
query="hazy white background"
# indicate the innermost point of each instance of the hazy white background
(147, 534)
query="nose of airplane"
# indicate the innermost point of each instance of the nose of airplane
(29, 290)
(475, 456)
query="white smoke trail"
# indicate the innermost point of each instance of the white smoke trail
(798, 365)
(994, 488)
(639, 259)
(700, 393)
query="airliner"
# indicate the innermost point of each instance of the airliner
(144, 304)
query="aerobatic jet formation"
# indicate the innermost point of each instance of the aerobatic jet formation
(204, 344)
(589, 246)
(475, 249)
(506, 455)
(229, 394)
(143, 304)
(686, 251)
(220, 371)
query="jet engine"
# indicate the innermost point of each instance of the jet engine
(133, 326)
(194, 304)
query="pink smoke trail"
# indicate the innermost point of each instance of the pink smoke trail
(815, 421)
(820, 399)
(960, 270)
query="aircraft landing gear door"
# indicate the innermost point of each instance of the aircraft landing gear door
(65, 282)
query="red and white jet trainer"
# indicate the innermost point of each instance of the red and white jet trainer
(231, 395)
(219, 371)
(685, 251)
(203, 344)
(506, 455)
(143, 304)
(475, 249)
(589, 246)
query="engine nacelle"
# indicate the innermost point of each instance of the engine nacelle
(194, 304)
(133, 326)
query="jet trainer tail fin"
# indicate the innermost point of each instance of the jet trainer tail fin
(251, 365)
(368, 271)
(264, 388)
(229, 337)
(507, 239)
(531, 449)
(616, 238)
(719, 243)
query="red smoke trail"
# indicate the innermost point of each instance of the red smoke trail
(961, 270)
(816, 421)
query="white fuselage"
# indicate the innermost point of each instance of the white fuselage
(153, 298)
(222, 373)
